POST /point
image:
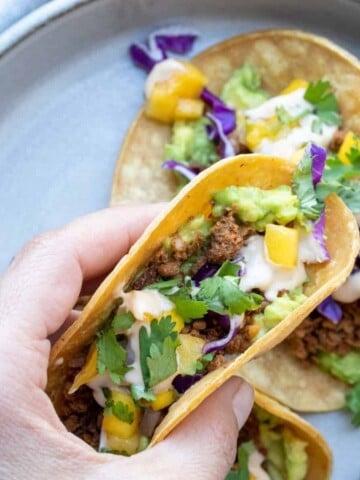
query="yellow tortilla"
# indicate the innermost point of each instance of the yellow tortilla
(280, 56)
(319, 454)
(249, 170)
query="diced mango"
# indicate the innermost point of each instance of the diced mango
(295, 85)
(175, 318)
(188, 352)
(88, 371)
(253, 330)
(297, 156)
(256, 132)
(282, 244)
(351, 140)
(189, 109)
(163, 400)
(124, 445)
(187, 83)
(162, 104)
(118, 428)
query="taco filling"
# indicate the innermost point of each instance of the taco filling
(211, 290)
(269, 449)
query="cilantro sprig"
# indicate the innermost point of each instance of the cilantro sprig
(320, 95)
(119, 409)
(243, 454)
(158, 351)
(111, 356)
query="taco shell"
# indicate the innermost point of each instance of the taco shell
(280, 56)
(248, 170)
(318, 451)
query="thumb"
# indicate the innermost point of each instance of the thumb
(203, 446)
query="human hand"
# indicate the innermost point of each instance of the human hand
(37, 295)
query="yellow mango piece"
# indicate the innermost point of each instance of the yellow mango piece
(88, 371)
(163, 400)
(124, 445)
(187, 83)
(188, 352)
(282, 244)
(175, 318)
(189, 109)
(295, 85)
(256, 132)
(118, 428)
(162, 104)
(297, 156)
(351, 140)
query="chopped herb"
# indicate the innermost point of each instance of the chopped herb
(123, 321)
(243, 454)
(158, 351)
(228, 269)
(139, 393)
(120, 410)
(223, 295)
(202, 363)
(303, 186)
(325, 103)
(113, 452)
(188, 308)
(353, 404)
(316, 126)
(165, 286)
(285, 118)
(111, 356)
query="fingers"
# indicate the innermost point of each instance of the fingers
(44, 281)
(203, 446)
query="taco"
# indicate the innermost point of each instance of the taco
(170, 324)
(267, 92)
(276, 444)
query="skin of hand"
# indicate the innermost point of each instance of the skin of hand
(37, 294)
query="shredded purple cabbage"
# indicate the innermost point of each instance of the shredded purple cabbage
(216, 132)
(318, 155)
(222, 342)
(179, 167)
(206, 271)
(330, 309)
(222, 320)
(226, 115)
(174, 39)
(183, 382)
(318, 233)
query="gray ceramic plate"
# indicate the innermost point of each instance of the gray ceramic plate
(68, 93)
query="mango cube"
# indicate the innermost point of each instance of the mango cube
(162, 104)
(88, 371)
(189, 109)
(127, 445)
(295, 85)
(351, 140)
(163, 400)
(188, 352)
(119, 428)
(187, 83)
(282, 245)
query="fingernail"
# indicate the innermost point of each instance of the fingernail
(242, 403)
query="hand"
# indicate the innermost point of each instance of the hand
(37, 295)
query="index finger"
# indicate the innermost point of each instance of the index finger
(45, 279)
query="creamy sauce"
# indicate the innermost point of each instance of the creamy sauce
(162, 72)
(255, 468)
(297, 138)
(145, 303)
(309, 249)
(264, 275)
(294, 103)
(166, 384)
(135, 375)
(350, 291)
(97, 384)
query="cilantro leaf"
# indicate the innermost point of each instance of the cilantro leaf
(354, 155)
(243, 454)
(325, 103)
(153, 345)
(111, 356)
(162, 361)
(119, 409)
(123, 321)
(138, 392)
(223, 295)
(228, 269)
(188, 308)
(303, 186)
(353, 404)
(165, 286)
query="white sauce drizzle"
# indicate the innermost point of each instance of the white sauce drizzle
(262, 274)
(142, 303)
(162, 72)
(98, 383)
(350, 291)
(295, 104)
(310, 250)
